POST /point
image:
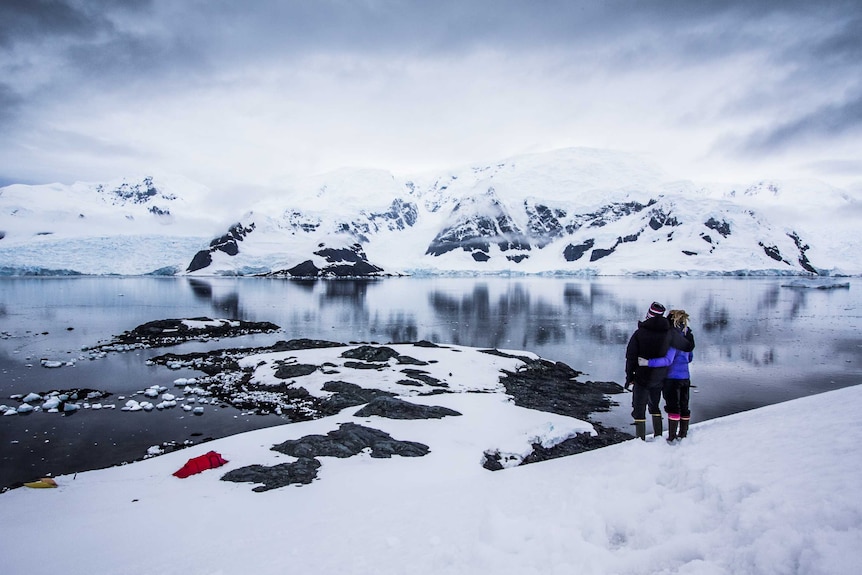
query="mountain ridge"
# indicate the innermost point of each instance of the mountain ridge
(575, 211)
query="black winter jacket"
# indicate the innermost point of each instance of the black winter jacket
(652, 339)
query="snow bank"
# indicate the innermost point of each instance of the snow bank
(769, 491)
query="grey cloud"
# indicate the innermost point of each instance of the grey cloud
(177, 36)
(33, 21)
(824, 122)
(10, 102)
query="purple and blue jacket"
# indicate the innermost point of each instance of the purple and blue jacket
(675, 360)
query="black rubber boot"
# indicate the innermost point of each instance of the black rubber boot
(656, 424)
(672, 426)
(683, 427)
(640, 429)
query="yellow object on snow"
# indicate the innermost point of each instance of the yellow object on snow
(42, 483)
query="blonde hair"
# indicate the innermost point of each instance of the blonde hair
(678, 318)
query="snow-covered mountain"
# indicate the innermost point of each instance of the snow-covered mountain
(129, 226)
(571, 211)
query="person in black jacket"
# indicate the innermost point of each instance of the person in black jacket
(651, 340)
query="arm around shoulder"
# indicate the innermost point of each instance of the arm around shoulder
(683, 342)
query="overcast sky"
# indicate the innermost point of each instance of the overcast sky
(246, 94)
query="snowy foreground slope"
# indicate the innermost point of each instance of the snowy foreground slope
(769, 491)
(570, 211)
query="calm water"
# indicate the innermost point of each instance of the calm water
(757, 343)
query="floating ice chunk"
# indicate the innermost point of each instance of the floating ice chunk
(198, 410)
(147, 406)
(51, 403)
(25, 408)
(11, 411)
(96, 406)
(31, 397)
(51, 363)
(151, 392)
(168, 396)
(132, 405)
(70, 407)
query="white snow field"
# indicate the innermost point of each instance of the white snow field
(768, 491)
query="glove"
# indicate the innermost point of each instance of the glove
(643, 362)
(628, 385)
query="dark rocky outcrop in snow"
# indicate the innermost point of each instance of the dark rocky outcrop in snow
(302, 471)
(493, 460)
(167, 332)
(345, 262)
(345, 395)
(394, 408)
(573, 253)
(552, 387)
(228, 243)
(348, 440)
(721, 227)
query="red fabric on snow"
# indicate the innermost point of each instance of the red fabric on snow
(209, 460)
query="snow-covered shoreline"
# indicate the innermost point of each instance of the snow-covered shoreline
(771, 490)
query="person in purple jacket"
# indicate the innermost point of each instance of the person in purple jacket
(677, 383)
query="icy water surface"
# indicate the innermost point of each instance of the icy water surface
(758, 342)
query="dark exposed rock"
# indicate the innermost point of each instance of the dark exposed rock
(365, 365)
(302, 343)
(167, 332)
(424, 377)
(803, 257)
(425, 343)
(341, 262)
(306, 269)
(772, 251)
(407, 360)
(552, 387)
(394, 408)
(573, 253)
(721, 227)
(290, 370)
(302, 471)
(348, 440)
(409, 382)
(370, 353)
(200, 260)
(599, 253)
(346, 395)
(227, 243)
(581, 442)
(660, 218)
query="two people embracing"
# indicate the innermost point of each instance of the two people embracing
(657, 358)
